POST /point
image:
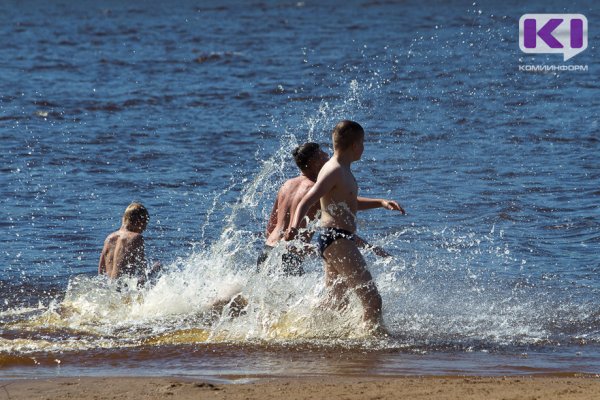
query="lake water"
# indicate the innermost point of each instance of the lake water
(193, 108)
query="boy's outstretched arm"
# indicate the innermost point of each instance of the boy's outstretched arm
(366, 203)
(363, 244)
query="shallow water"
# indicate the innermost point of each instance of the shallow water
(194, 109)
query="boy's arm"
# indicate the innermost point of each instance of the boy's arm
(324, 184)
(273, 218)
(101, 266)
(102, 262)
(362, 243)
(311, 214)
(366, 203)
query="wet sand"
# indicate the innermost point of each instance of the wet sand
(485, 388)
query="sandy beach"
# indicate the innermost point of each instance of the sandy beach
(567, 387)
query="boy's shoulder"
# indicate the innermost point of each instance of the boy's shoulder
(112, 236)
(124, 235)
(331, 167)
(331, 164)
(132, 236)
(292, 183)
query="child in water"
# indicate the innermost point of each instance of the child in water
(123, 252)
(124, 255)
(337, 191)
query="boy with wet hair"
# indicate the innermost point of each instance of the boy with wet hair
(123, 252)
(337, 190)
(310, 159)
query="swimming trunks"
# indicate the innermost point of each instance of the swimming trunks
(330, 235)
(291, 263)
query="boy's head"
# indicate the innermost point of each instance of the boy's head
(136, 217)
(348, 136)
(309, 157)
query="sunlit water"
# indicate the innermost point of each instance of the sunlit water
(193, 110)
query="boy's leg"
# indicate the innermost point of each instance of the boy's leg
(336, 288)
(345, 259)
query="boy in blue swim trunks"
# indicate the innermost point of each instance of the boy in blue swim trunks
(337, 190)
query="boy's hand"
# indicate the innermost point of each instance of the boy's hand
(392, 205)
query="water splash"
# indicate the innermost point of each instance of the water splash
(444, 289)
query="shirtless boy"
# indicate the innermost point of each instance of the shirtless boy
(310, 159)
(337, 190)
(123, 252)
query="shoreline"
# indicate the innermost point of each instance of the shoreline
(568, 386)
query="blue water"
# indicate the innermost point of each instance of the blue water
(193, 109)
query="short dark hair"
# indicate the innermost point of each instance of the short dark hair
(304, 153)
(346, 133)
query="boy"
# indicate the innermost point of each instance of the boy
(310, 159)
(123, 252)
(345, 268)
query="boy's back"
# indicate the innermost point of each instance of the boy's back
(123, 253)
(290, 194)
(310, 160)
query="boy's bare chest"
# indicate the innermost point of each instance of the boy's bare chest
(348, 185)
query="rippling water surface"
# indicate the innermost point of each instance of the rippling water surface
(194, 108)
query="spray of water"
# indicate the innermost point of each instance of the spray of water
(437, 292)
